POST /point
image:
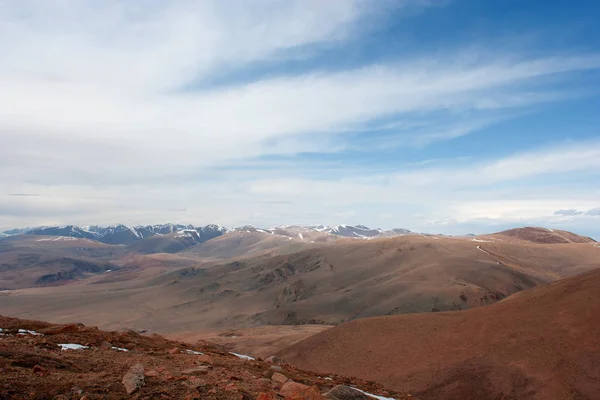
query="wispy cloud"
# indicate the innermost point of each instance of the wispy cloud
(96, 99)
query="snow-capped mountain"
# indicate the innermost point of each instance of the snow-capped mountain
(360, 231)
(122, 234)
(126, 235)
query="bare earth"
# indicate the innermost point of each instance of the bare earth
(338, 282)
(543, 343)
(33, 366)
(261, 341)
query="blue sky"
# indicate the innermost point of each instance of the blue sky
(450, 116)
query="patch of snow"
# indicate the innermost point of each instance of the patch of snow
(300, 236)
(328, 379)
(116, 348)
(108, 270)
(72, 346)
(194, 352)
(550, 229)
(481, 241)
(374, 395)
(261, 230)
(243, 356)
(26, 332)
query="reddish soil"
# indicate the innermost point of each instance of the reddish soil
(34, 367)
(260, 341)
(542, 343)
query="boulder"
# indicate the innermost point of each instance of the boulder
(343, 392)
(291, 388)
(134, 378)
(277, 377)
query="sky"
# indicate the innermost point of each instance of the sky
(450, 116)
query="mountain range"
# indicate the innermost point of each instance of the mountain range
(127, 235)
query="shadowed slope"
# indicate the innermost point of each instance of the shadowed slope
(542, 343)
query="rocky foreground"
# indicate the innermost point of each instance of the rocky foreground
(39, 360)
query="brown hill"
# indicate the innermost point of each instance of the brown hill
(33, 366)
(542, 343)
(541, 235)
(238, 244)
(346, 280)
(31, 260)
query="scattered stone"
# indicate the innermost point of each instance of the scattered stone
(232, 387)
(174, 350)
(198, 370)
(277, 377)
(265, 382)
(205, 359)
(267, 396)
(343, 392)
(39, 370)
(77, 390)
(274, 360)
(312, 393)
(152, 373)
(276, 368)
(291, 388)
(134, 378)
(267, 374)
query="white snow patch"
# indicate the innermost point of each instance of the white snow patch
(72, 346)
(117, 348)
(26, 332)
(108, 270)
(300, 236)
(481, 241)
(374, 395)
(261, 230)
(243, 356)
(328, 379)
(550, 229)
(194, 352)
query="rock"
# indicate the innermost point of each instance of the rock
(274, 360)
(205, 359)
(267, 396)
(174, 350)
(343, 392)
(152, 373)
(61, 397)
(85, 397)
(276, 368)
(134, 378)
(267, 374)
(77, 390)
(232, 387)
(39, 370)
(106, 345)
(277, 377)
(312, 393)
(264, 382)
(291, 388)
(198, 370)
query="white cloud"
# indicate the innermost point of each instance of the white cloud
(106, 111)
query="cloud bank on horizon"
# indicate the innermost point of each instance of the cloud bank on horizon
(441, 116)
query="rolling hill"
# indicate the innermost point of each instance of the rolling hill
(542, 343)
(340, 281)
